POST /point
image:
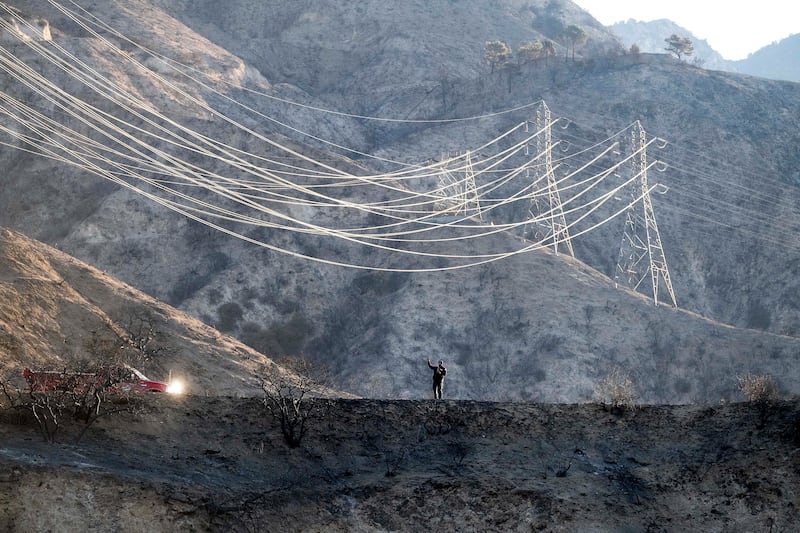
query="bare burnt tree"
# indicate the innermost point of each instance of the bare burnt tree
(136, 340)
(760, 391)
(292, 391)
(617, 391)
(12, 397)
(47, 409)
(143, 335)
(104, 395)
(81, 394)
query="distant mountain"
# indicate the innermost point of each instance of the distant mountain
(649, 37)
(777, 61)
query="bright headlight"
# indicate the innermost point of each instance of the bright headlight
(175, 387)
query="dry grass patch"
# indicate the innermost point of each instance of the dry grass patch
(760, 389)
(617, 391)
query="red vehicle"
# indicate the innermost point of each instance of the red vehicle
(121, 379)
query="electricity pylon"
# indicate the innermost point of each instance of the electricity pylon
(554, 224)
(641, 251)
(459, 194)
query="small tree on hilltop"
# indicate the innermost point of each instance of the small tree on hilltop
(680, 46)
(496, 53)
(576, 37)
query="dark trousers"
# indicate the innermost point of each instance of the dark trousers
(437, 390)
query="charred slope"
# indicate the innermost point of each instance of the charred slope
(377, 59)
(217, 464)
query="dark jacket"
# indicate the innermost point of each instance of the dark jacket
(439, 372)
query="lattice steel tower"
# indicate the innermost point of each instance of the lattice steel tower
(459, 194)
(641, 252)
(555, 224)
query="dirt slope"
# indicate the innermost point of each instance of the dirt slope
(52, 306)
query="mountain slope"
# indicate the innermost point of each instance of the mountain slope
(53, 307)
(371, 58)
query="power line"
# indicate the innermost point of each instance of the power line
(137, 146)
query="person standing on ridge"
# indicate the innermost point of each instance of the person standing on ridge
(439, 372)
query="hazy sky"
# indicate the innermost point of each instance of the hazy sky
(732, 28)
